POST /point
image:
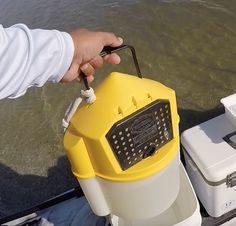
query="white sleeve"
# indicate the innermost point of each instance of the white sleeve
(31, 58)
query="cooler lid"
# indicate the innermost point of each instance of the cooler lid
(212, 146)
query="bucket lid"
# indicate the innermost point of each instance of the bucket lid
(210, 147)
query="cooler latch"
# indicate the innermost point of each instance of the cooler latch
(231, 180)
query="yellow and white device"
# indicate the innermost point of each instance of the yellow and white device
(124, 148)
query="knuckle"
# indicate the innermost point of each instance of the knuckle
(83, 29)
(112, 35)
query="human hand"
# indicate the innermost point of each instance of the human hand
(88, 45)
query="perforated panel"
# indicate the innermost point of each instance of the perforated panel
(141, 134)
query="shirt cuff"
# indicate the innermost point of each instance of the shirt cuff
(67, 53)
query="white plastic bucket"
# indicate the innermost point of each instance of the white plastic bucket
(140, 199)
(183, 212)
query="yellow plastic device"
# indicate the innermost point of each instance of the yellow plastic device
(119, 97)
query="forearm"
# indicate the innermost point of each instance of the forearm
(31, 58)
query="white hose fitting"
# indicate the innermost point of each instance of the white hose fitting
(89, 95)
(89, 98)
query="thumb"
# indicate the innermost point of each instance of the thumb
(110, 39)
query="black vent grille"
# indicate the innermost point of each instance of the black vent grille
(141, 134)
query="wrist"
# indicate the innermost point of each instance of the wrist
(77, 56)
(67, 55)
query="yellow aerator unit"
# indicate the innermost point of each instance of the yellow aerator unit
(124, 148)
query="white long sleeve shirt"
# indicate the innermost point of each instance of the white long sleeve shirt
(31, 58)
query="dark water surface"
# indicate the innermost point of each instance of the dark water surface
(187, 45)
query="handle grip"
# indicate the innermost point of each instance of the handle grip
(109, 50)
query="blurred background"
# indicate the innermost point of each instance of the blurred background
(188, 45)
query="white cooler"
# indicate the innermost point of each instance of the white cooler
(210, 155)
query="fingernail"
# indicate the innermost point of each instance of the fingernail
(84, 67)
(120, 39)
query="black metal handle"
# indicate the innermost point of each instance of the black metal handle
(109, 50)
(228, 140)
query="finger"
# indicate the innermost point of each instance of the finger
(112, 58)
(71, 74)
(78, 79)
(96, 62)
(110, 39)
(87, 69)
(90, 79)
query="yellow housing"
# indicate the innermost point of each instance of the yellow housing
(118, 96)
